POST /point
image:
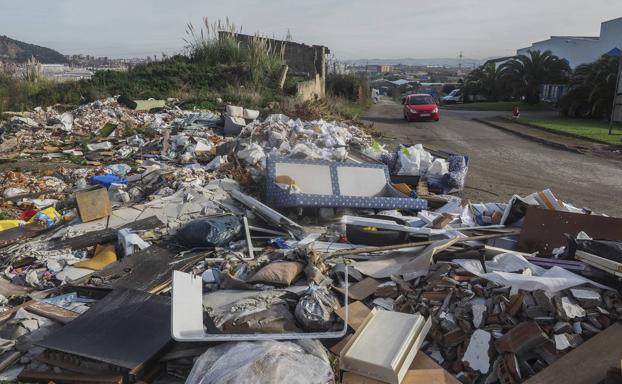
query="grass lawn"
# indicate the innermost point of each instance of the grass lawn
(593, 129)
(501, 106)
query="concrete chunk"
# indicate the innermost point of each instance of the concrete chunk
(477, 353)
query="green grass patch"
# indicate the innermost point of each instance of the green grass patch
(347, 108)
(501, 106)
(592, 129)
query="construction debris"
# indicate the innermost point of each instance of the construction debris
(146, 227)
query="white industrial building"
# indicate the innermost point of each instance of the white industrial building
(582, 49)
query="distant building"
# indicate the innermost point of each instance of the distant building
(383, 68)
(579, 50)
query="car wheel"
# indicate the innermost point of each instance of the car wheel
(436, 120)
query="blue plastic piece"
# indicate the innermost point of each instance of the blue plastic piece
(107, 180)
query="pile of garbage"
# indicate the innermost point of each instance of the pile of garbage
(161, 245)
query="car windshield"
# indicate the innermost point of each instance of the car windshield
(420, 100)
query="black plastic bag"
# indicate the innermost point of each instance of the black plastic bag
(213, 231)
(608, 249)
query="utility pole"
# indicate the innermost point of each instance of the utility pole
(615, 95)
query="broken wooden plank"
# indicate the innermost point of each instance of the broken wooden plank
(106, 235)
(53, 312)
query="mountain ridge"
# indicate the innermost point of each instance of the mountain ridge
(16, 51)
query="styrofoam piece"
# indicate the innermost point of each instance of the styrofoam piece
(187, 316)
(385, 345)
(233, 125)
(234, 111)
(250, 114)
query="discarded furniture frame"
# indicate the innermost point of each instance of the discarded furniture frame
(335, 184)
(187, 316)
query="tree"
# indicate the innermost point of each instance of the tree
(527, 73)
(486, 80)
(591, 89)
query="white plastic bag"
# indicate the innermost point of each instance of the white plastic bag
(263, 362)
(375, 151)
(252, 154)
(414, 161)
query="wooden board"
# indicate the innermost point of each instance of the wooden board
(93, 204)
(544, 229)
(586, 364)
(53, 312)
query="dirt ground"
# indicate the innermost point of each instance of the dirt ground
(502, 164)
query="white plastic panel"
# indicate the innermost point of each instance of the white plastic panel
(359, 181)
(310, 178)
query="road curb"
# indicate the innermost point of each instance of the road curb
(529, 137)
(568, 134)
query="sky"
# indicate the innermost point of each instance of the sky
(351, 29)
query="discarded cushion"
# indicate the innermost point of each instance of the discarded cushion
(282, 273)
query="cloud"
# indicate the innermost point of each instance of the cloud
(350, 28)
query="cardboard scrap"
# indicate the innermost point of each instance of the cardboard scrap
(361, 290)
(357, 312)
(422, 370)
(93, 204)
(336, 349)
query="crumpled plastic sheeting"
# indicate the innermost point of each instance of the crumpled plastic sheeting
(315, 140)
(263, 362)
(512, 270)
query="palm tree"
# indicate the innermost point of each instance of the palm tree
(486, 80)
(591, 89)
(527, 73)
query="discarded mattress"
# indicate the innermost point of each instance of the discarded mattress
(308, 183)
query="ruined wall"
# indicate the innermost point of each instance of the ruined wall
(311, 89)
(301, 59)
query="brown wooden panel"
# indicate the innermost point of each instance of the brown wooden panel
(544, 229)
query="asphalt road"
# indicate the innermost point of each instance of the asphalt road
(502, 164)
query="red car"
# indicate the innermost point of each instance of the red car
(421, 107)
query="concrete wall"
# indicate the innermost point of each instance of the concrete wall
(311, 89)
(300, 58)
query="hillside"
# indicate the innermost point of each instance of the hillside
(19, 52)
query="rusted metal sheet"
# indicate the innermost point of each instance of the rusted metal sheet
(543, 229)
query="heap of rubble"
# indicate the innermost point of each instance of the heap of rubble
(119, 224)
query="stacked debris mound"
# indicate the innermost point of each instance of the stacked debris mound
(168, 246)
